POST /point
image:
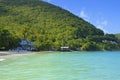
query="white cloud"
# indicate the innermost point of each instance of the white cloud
(105, 23)
(47, 0)
(84, 15)
(65, 7)
(102, 24)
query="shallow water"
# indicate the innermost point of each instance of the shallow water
(62, 66)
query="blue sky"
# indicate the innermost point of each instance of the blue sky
(104, 14)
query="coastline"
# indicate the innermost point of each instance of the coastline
(9, 54)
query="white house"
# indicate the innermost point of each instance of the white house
(65, 48)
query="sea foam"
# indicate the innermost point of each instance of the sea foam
(2, 59)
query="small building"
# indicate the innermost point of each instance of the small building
(112, 42)
(65, 48)
(26, 45)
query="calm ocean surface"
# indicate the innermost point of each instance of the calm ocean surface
(62, 66)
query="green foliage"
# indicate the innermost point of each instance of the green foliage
(117, 35)
(90, 46)
(48, 26)
(7, 40)
(109, 46)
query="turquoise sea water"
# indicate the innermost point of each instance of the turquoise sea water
(62, 66)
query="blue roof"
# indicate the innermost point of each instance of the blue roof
(25, 42)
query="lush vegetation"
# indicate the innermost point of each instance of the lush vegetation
(49, 27)
(117, 35)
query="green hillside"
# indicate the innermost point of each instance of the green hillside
(117, 35)
(49, 27)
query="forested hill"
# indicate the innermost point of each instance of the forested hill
(118, 35)
(49, 27)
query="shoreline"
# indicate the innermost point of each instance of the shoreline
(8, 54)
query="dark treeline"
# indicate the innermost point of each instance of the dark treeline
(117, 35)
(49, 27)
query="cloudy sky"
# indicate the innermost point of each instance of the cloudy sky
(104, 14)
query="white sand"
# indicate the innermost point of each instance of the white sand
(2, 59)
(6, 54)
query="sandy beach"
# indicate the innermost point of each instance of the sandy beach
(9, 54)
(6, 54)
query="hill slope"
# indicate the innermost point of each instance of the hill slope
(117, 35)
(48, 26)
